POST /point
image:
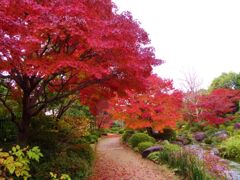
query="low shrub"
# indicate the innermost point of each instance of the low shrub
(155, 157)
(144, 145)
(96, 133)
(54, 176)
(137, 138)
(121, 131)
(230, 148)
(90, 139)
(84, 151)
(181, 161)
(208, 141)
(167, 134)
(8, 130)
(126, 135)
(74, 166)
(44, 133)
(16, 163)
(173, 148)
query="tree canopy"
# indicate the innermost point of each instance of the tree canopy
(56, 48)
(229, 80)
(158, 108)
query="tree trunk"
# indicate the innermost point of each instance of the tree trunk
(24, 125)
(23, 132)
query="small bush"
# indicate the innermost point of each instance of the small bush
(96, 133)
(144, 145)
(121, 131)
(183, 162)
(16, 163)
(230, 148)
(90, 139)
(173, 148)
(167, 134)
(73, 165)
(154, 156)
(114, 129)
(126, 135)
(208, 141)
(84, 151)
(137, 138)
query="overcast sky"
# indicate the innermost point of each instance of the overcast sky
(191, 35)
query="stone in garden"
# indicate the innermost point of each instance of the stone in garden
(199, 136)
(147, 151)
(177, 143)
(215, 151)
(237, 125)
(222, 135)
(183, 140)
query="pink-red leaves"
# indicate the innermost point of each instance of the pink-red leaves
(216, 105)
(159, 107)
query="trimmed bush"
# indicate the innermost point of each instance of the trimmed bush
(126, 135)
(137, 138)
(144, 145)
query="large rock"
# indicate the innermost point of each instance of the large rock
(147, 151)
(222, 135)
(199, 136)
(237, 125)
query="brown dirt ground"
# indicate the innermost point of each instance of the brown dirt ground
(116, 161)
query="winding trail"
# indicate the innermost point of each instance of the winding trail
(115, 161)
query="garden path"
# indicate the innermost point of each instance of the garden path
(116, 161)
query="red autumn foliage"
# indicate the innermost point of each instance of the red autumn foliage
(216, 105)
(51, 49)
(103, 120)
(159, 107)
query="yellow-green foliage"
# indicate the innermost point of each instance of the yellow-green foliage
(144, 145)
(230, 148)
(54, 176)
(137, 138)
(79, 125)
(16, 162)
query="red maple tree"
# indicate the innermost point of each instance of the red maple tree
(51, 49)
(218, 106)
(158, 108)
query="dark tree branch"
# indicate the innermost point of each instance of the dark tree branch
(13, 117)
(64, 107)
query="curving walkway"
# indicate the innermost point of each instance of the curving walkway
(115, 161)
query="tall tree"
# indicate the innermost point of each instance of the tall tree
(158, 108)
(51, 49)
(218, 106)
(229, 80)
(191, 85)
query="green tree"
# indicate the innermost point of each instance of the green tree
(229, 80)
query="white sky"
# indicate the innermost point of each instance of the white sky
(191, 35)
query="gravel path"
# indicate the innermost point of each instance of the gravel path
(115, 161)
